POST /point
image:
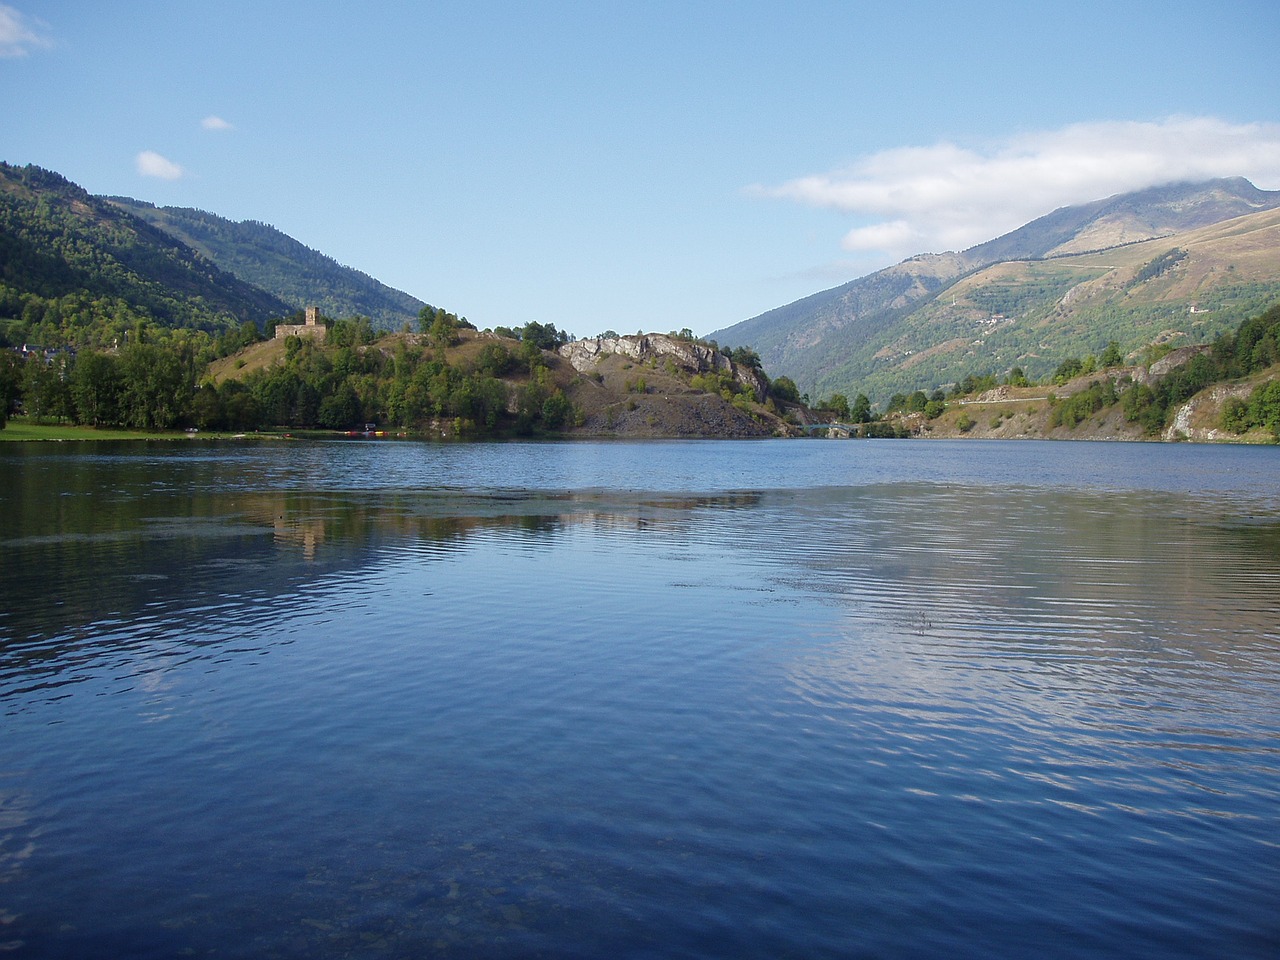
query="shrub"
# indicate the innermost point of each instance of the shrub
(785, 389)
(1077, 408)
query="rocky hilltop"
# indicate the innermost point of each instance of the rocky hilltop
(693, 355)
(657, 385)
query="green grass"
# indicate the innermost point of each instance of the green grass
(20, 428)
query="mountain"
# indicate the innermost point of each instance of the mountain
(1020, 299)
(263, 256)
(64, 252)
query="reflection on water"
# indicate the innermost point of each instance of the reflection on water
(561, 705)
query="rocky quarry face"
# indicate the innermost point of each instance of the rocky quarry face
(690, 354)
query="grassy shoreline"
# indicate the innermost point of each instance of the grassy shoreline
(19, 428)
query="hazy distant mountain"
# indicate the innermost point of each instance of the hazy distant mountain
(65, 253)
(298, 275)
(935, 317)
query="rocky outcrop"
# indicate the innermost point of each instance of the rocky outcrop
(1197, 418)
(693, 355)
(1176, 358)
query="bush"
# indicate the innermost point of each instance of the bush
(494, 359)
(1077, 408)
(1235, 415)
(1069, 368)
(556, 409)
(1261, 410)
(784, 389)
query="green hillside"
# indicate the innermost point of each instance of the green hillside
(74, 267)
(1155, 265)
(298, 275)
(1177, 290)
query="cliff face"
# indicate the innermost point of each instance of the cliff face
(1200, 417)
(693, 356)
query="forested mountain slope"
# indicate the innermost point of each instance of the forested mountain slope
(264, 256)
(67, 257)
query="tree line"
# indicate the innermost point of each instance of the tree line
(155, 382)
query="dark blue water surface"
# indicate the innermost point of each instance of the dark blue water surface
(771, 699)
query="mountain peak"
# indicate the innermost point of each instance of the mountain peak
(886, 329)
(1127, 218)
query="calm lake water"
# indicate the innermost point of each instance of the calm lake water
(693, 699)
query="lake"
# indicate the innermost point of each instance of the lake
(667, 699)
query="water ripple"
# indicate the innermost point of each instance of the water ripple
(528, 700)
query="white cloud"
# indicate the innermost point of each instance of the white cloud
(19, 33)
(215, 123)
(948, 197)
(889, 235)
(152, 164)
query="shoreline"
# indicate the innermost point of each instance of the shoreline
(19, 431)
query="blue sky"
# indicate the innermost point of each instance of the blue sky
(636, 166)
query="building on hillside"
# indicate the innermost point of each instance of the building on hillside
(312, 328)
(29, 351)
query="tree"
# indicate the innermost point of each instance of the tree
(838, 405)
(240, 406)
(494, 359)
(95, 388)
(350, 333)
(556, 410)
(973, 383)
(784, 389)
(861, 410)
(207, 412)
(443, 331)
(1264, 406)
(428, 315)
(1069, 368)
(1265, 352)
(10, 377)
(238, 337)
(156, 389)
(1141, 405)
(45, 390)
(341, 408)
(544, 336)
(1111, 357)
